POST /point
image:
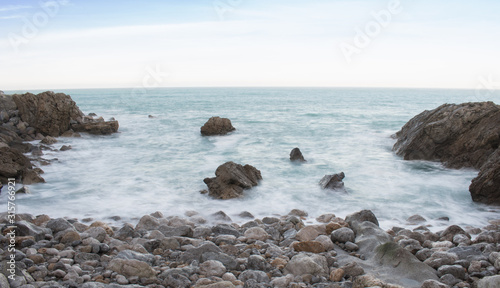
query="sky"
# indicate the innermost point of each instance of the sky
(66, 44)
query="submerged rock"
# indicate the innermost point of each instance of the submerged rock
(217, 126)
(464, 135)
(333, 182)
(296, 155)
(231, 179)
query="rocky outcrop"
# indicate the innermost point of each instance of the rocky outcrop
(333, 182)
(96, 127)
(296, 155)
(48, 112)
(53, 114)
(217, 126)
(28, 117)
(13, 164)
(485, 188)
(231, 179)
(464, 135)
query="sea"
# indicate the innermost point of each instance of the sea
(158, 163)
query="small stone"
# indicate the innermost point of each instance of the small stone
(308, 246)
(122, 280)
(310, 233)
(298, 213)
(337, 275)
(325, 218)
(456, 270)
(65, 148)
(246, 214)
(353, 269)
(49, 140)
(349, 246)
(416, 219)
(256, 233)
(326, 242)
(343, 235)
(302, 264)
(433, 284)
(212, 268)
(59, 273)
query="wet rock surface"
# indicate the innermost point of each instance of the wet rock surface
(66, 253)
(45, 116)
(217, 126)
(464, 135)
(231, 179)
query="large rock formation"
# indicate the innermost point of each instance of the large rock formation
(217, 126)
(29, 117)
(231, 179)
(55, 113)
(465, 135)
(48, 112)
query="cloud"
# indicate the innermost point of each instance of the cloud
(10, 17)
(14, 7)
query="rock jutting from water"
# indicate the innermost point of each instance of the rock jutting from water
(231, 180)
(278, 251)
(333, 181)
(464, 135)
(296, 155)
(28, 117)
(217, 126)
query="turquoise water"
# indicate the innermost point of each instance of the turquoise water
(158, 164)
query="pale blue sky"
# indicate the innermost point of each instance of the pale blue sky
(61, 44)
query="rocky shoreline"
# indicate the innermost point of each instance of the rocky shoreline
(278, 251)
(28, 117)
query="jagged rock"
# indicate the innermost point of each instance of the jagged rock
(48, 112)
(53, 114)
(332, 181)
(231, 179)
(485, 188)
(217, 126)
(97, 127)
(49, 140)
(464, 135)
(13, 164)
(362, 216)
(296, 155)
